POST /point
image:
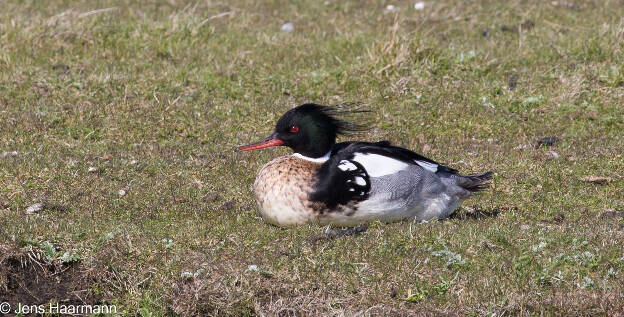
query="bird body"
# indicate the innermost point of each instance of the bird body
(352, 183)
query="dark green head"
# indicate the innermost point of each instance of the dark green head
(309, 129)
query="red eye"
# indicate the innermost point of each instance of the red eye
(294, 129)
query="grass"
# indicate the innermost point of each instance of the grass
(155, 96)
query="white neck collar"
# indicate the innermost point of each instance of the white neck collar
(321, 159)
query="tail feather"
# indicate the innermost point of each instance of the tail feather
(475, 182)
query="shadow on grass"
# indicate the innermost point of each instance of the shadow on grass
(478, 213)
(334, 233)
(463, 214)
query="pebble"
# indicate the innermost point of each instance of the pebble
(253, 268)
(391, 8)
(287, 27)
(34, 208)
(420, 5)
(93, 169)
(8, 154)
(122, 192)
(547, 141)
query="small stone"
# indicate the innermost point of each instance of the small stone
(93, 169)
(420, 5)
(253, 268)
(287, 27)
(554, 154)
(525, 227)
(547, 141)
(34, 208)
(133, 162)
(391, 8)
(122, 192)
(8, 154)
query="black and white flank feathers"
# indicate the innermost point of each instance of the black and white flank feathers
(346, 176)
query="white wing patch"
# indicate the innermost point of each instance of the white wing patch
(360, 181)
(427, 165)
(346, 166)
(378, 165)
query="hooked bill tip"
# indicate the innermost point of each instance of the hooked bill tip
(264, 143)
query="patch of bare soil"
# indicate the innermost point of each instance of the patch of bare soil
(27, 278)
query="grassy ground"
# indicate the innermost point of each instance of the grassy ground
(120, 118)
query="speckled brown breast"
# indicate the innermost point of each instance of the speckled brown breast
(282, 189)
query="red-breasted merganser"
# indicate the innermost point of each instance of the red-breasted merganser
(351, 183)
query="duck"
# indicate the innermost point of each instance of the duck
(351, 183)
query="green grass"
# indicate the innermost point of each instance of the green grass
(156, 96)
